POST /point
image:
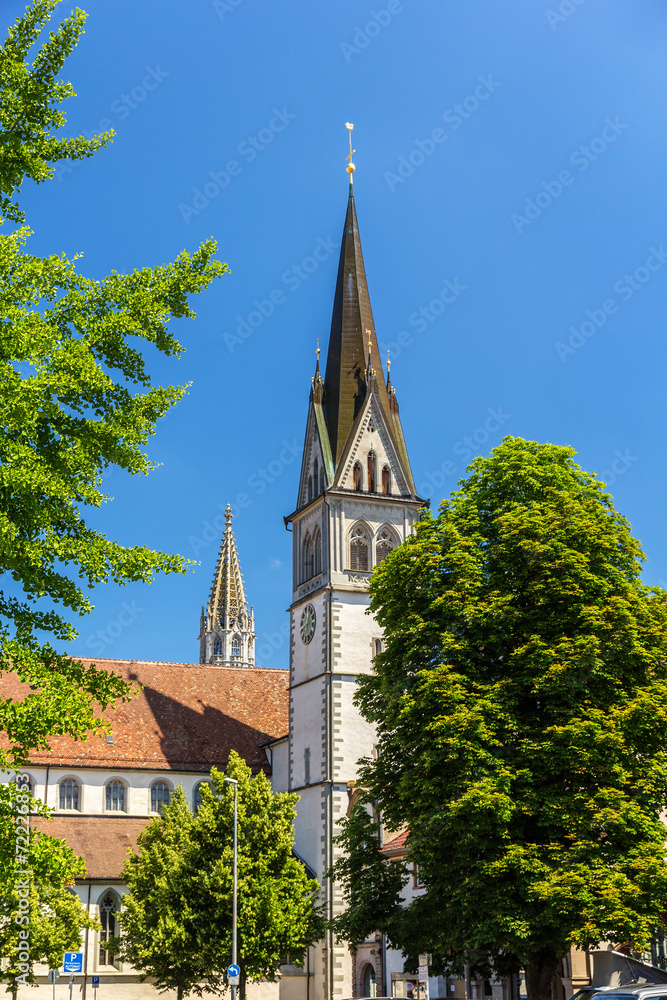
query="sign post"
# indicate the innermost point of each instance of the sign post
(96, 983)
(72, 962)
(54, 976)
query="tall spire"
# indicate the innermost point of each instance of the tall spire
(227, 626)
(352, 328)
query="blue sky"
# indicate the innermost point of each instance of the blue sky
(510, 191)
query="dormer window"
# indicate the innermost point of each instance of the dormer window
(358, 477)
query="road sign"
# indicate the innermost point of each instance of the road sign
(96, 982)
(54, 975)
(233, 974)
(423, 973)
(73, 961)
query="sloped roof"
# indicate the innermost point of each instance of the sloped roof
(102, 841)
(186, 717)
(398, 845)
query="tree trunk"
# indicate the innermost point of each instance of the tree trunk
(242, 985)
(179, 992)
(542, 976)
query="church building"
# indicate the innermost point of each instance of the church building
(356, 501)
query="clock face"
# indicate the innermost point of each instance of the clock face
(308, 619)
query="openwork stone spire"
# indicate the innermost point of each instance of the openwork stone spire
(227, 626)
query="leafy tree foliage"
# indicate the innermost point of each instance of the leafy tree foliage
(372, 883)
(521, 706)
(177, 919)
(76, 398)
(52, 919)
(30, 102)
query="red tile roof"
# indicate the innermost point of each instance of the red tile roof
(187, 717)
(399, 844)
(102, 841)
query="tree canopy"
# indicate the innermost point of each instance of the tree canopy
(177, 919)
(76, 397)
(521, 709)
(40, 915)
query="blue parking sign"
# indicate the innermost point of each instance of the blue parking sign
(96, 982)
(73, 961)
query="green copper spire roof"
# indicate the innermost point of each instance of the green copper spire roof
(352, 328)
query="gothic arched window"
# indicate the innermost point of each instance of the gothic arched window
(359, 549)
(370, 982)
(70, 794)
(197, 800)
(236, 646)
(109, 925)
(115, 796)
(317, 552)
(316, 475)
(358, 477)
(371, 472)
(385, 543)
(217, 646)
(160, 794)
(386, 479)
(308, 557)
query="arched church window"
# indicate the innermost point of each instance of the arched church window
(371, 472)
(316, 475)
(370, 982)
(310, 487)
(115, 796)
(317, 552)
(359, 550)
(308, 557)
(386, 479)
(197, 799)
(70, 794)
(109, 925)
(358, 477)
(217, 646)
(160, 795)
(236, 647)
(385, 543)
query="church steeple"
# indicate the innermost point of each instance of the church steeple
(352, 326)
(227, 627)
(354, 366)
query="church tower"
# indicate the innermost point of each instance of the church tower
(356, 502)
(227, 626)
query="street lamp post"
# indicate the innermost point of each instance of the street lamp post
(234, 782)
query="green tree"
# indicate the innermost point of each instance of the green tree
(176, 923)
(76, 398)
(521, 707)
(40, 916)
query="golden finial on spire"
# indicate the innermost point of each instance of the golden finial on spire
(317, 351)
(350, 167)
(388, 360)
